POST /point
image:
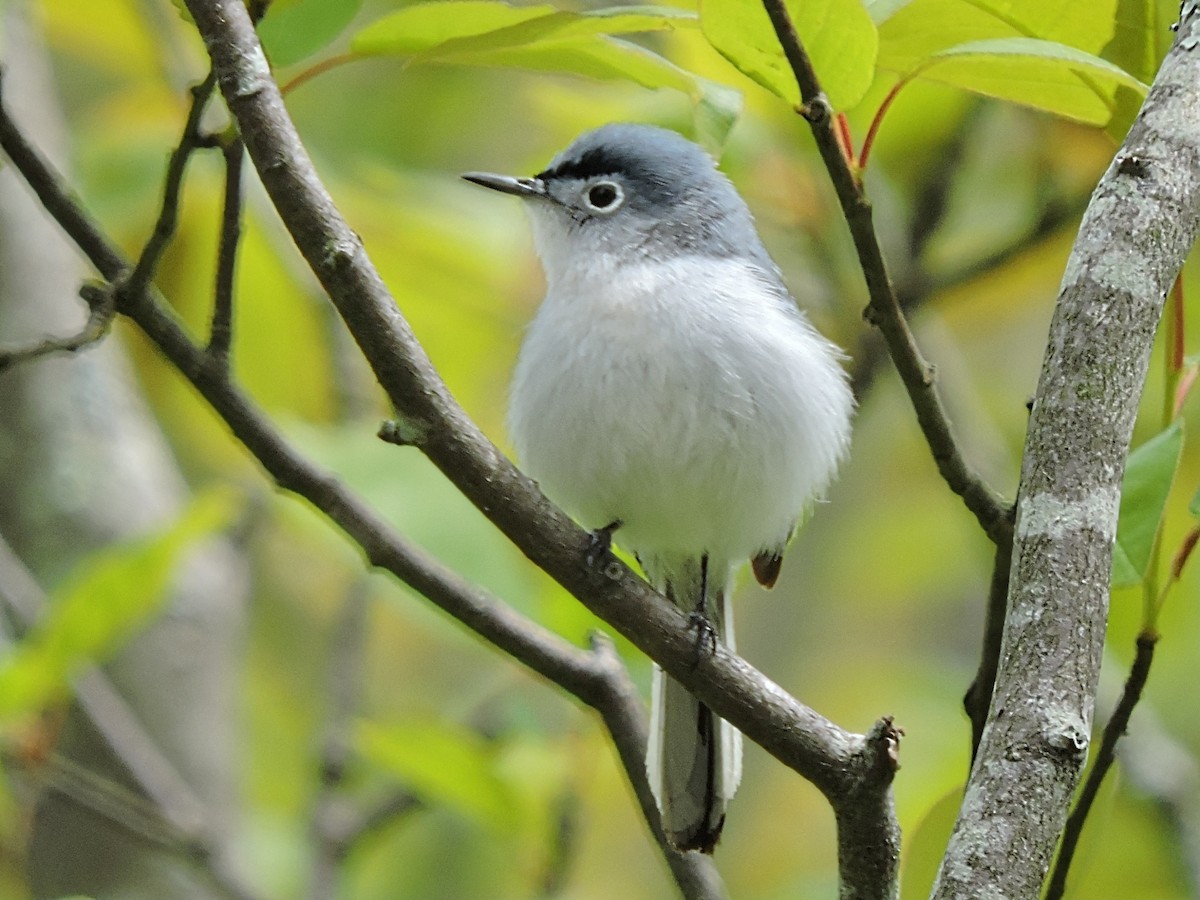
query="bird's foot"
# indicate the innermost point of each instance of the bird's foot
(599, 552)
(706, 634)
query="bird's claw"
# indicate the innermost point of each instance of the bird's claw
(706, 633)
(600, 544)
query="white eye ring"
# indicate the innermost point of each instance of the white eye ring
(603, 196)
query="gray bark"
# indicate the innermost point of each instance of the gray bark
(82, 464)
(1139, 226)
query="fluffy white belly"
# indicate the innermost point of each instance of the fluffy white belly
(704, 416)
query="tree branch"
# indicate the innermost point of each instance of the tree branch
(101, 312)
(884, 310)
(1139, 226)
(164, 226)
(220, 335)
(844, 766)
(586, 675)
(854, 771)
(979, 695)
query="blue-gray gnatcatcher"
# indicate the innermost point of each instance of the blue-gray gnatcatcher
(670, 389)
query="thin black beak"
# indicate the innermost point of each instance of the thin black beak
(521, 187)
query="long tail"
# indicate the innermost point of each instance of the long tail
(694, 758)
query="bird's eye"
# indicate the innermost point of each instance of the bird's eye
(604, 196)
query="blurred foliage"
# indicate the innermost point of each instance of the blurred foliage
(99, 605)
(880, 606)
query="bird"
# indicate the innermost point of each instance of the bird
(670, 394)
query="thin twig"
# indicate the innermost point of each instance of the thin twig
(220, 335)
(884, 310)
(168, 216)
(1105, 757)
(563, 844)
(101, 312)
(978, 698)
(1117, 726)
(114, 803)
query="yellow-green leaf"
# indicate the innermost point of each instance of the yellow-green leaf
(911, 33)
(1041, 74)
(605, 59)
(838, 36)
(425, 25)
(1149, 474)
(292, 31)
(542, 38)
(459, 27)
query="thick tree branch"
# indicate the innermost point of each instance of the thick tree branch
(1139, 226)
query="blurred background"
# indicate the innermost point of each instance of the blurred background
(490, 783)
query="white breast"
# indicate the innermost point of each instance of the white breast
(687, 399)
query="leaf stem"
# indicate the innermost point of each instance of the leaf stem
(320, 68)
(873, 131)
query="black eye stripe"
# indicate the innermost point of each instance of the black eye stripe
(591, 164)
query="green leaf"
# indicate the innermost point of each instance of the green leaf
(1045, 75)
(882, 10)
(293, 31)
(601, 58)
(715, 106)
(544, 39)
(838, 35)
(183, 11)
(910, 34)
(925, 848)
(457, 28)
(425, 25)
(1138, 43)
(1149, 474)
(1194, 505)
(109, 597)
(444, 765)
